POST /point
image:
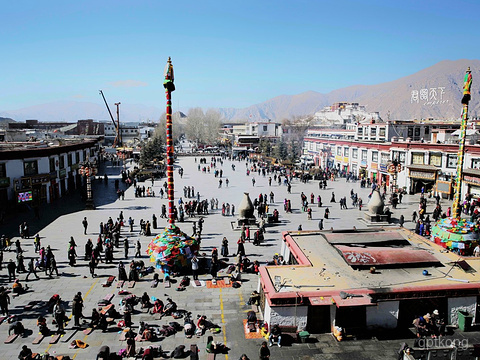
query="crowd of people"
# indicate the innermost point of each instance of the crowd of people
(113, 235)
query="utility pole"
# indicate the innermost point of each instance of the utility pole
(120, 136)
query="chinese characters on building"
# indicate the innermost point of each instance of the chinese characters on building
(429, 96)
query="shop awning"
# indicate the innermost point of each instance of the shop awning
(473, 172)
(425, 167)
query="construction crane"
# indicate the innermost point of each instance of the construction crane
(117, 139)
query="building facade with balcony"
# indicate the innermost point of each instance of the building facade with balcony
(37, 172)
(428, 165)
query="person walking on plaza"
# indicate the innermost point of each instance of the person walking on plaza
(11, 267)
(224, 248)
(85, 225)
(59, 315)
(53, 266)
(138, 248)
(91, 265)
(125, 247)
(154, 221)
(36, 242)
(4, 302)
(320, 224)
(77, 306)
(241, 247)
(130, 223)
(31, 269)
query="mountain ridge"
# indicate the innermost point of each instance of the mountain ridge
(392, 99)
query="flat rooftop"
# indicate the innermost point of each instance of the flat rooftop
(330, 262)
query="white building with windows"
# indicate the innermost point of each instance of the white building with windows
(41, 172)
(422, 164)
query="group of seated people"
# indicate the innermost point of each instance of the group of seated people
(145, 331)
(164, 310)
(277, 260)
(430, 325)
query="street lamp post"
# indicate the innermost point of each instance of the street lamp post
(88, 169)
(394, 168)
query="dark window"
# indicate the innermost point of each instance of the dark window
(475, 163)
(84, 155)
(427, 130)
(264, 127)
(364, 155)
(3, 170)
(410, 132)
(417, 131)
(52, 164)
(69, 159)
(61, 161)
(30, 168)
(77, 157)
(451, 161)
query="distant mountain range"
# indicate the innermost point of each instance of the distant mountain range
(442, 81)
(434, 92)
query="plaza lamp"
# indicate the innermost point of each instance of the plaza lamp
(88, 169)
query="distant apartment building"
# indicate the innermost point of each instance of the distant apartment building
(429, 164)
(247, 136)
(41, 172)
(129, 134)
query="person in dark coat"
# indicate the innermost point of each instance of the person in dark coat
(224, 250)
(241, 247)
(264, 351)
(122, 274)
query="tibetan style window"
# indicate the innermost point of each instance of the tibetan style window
(451, 161)
(418, 158)
(436, 159)
(30, 168)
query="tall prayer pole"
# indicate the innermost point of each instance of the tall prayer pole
(467, 84)
(169, 87)
(167, 249)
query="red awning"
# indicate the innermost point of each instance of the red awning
(357, 256)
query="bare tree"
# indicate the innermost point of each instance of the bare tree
(296, 127)
(195, 128)
(213, 122)
(177, 124)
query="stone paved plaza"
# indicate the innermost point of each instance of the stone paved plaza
(223, 306)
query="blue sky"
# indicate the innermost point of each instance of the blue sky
(225, 53)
